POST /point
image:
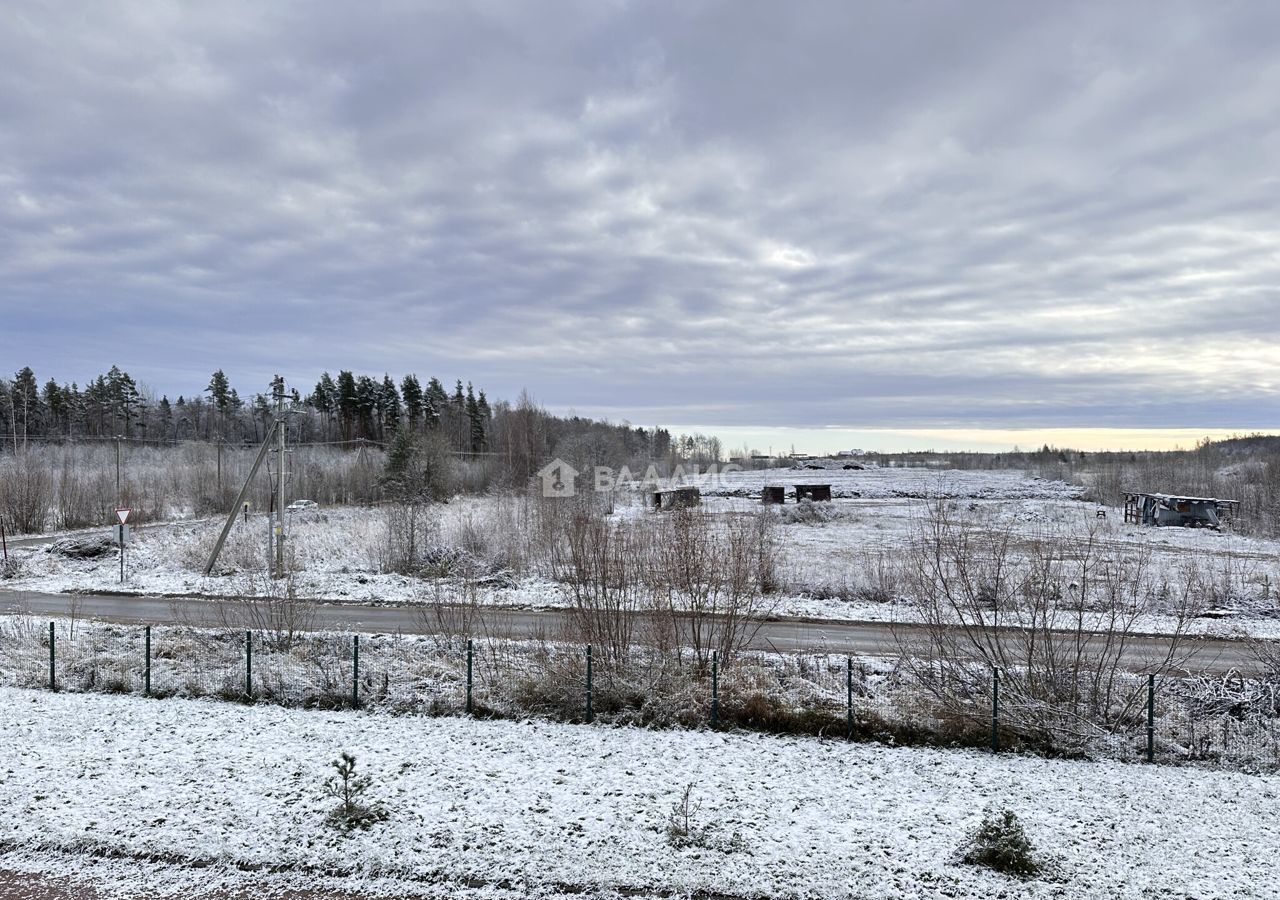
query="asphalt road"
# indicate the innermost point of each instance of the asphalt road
(854, 638)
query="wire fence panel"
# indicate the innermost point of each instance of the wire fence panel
(1231, 722)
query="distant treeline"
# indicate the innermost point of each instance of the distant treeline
(349, 408)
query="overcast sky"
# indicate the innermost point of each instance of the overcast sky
(903, 216)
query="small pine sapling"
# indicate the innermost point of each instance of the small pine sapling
(1001, 844)
(348, 789)
(684, 831)
(681, 829)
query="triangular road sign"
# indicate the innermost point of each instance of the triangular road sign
(122, 514)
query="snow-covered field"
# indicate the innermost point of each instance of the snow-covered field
(871, 483)
(835, 564)
(531, 808)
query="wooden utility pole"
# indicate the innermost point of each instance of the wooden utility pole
(244, 492)
(280, 474)
(276, 431)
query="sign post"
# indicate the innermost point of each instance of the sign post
(122, 532)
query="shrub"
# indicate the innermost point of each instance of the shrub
(1001, 844)
(806, 512)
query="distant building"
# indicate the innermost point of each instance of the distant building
(674, 498)
(1171, 509)
(819, 492)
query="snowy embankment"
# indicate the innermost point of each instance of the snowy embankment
(532, 808)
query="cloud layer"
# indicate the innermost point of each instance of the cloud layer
(919, 215)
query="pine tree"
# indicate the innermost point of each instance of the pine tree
(348, 406)
(324, 400)
(458, 411)
(435, 404)
(25, 394)
(166, 418)
(261, 416)
(73, 400)
(389, 405)
(367, 406)
(219, 391)
(411, 393)
(55, 408)
(475, 421)
(486, 422)
(122, 397)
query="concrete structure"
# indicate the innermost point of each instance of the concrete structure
(813, 492)
(773, 494)
(1171, 509)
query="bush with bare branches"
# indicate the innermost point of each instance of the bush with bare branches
(26, 492)
(712, 579)
(1055, 616)
(602, 563)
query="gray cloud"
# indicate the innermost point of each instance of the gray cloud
(865, 215)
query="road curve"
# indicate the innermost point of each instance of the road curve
(1212, 655)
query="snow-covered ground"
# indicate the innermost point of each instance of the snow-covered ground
(531, 808)
(835, 564)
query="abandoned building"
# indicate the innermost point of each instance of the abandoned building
(675, 498)
(1170, 509)
(773, 494)
(813, 492)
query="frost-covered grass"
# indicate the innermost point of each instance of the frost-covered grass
(534, 807)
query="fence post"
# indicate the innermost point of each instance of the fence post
(146, 670)
(715, 689)
(470, 658)
(848, 701)
(995, 710)
(355, 671)
(248, 664)
(590, 713)
(53, 683)
(1151, 718)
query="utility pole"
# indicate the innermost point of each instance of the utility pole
(280, 433)
(241, 505)
(118, 496)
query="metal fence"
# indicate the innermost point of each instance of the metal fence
(808, 693)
